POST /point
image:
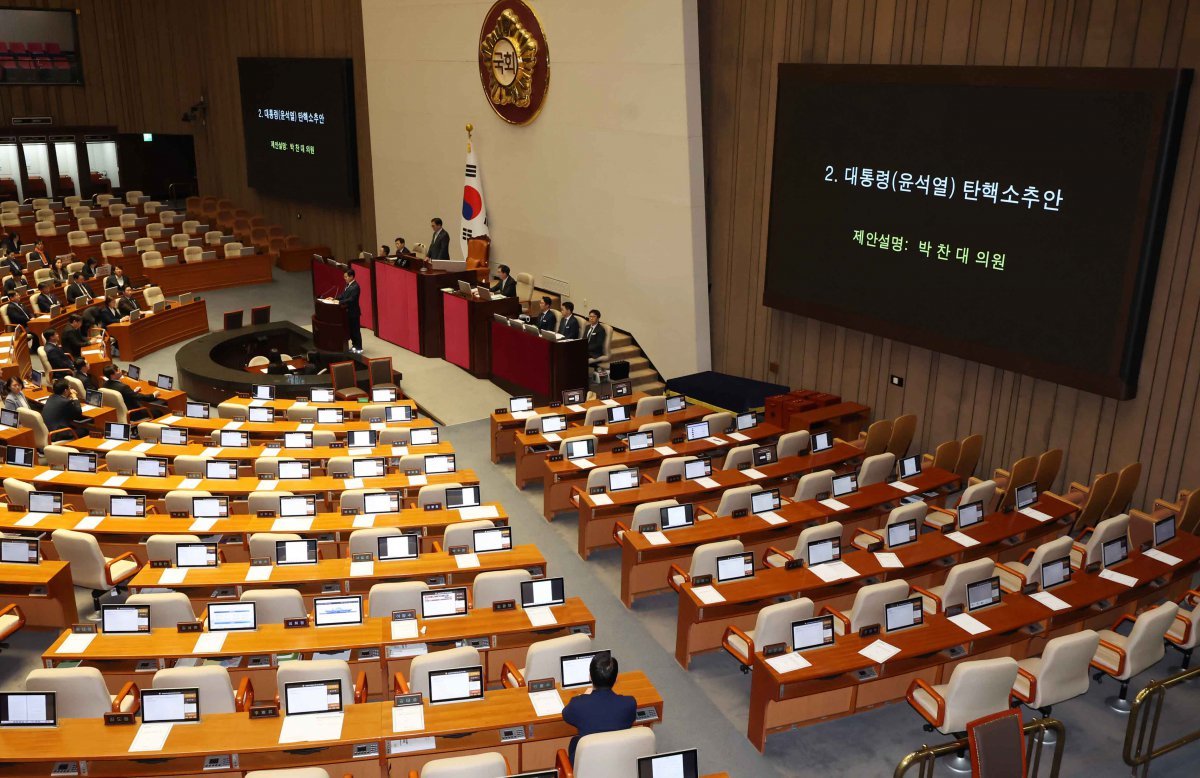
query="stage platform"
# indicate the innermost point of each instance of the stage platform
(727, 392)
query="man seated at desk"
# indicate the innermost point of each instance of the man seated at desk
(600, 709)
(77, 288)
(127, 303)
(73, 336)
(15, 279)
(12, 264)
(38, 257)
(62, 410)
(546, 319)
(133, 399)
(46, 300)
(568, 325)
(401, 250)
(505, 283)
(83, 376)
(58, 358)
(18, 314)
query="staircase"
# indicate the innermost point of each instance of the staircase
(642, 372)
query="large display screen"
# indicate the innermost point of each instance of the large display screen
(1011, 216)
(298, 122)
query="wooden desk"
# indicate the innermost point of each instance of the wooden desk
(156, 330)
(101, 446)
(1020, 626)
(467, 322)
(175, 400)
(271, 430)
(216, 273)
(525, 363)
(1003, 536)
(413, 318)
(44, 592)
(844, 420)
(15, 359)
(505, 425)
(97, 415)
(350, 409)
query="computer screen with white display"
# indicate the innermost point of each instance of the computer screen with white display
(746, 420)
(398, 547)
(456, 685)
(362, 438)
(680, 764)
(618, 413)
(150, 467)
(845, 484)
(623, 479)
(697, 468)
(383, 394)
(81, 463)
(303, 697)
(170, 705)
(439, 463)
(9, 418)
(903, 614)
(910, 466)
(125, 619)
(381, 502)
(232, 616)
(1026, 495)
(260, 415)
(572, 396)
(638, 441)
(822, 441)
(394, 413)
(297, 440)
(444, 602)
(675, 516)
(373, 467)
(579, 449)
(195, 410)
(542, 592)
(554, 423)
(576, 668)
(1115, 551)
(134, 372)
(423, 436)
(901, 533)
(1056, 571)
(330, 416)
(116, 431)
(225, 469)
(1164, 531)
(196, 555)
(294, 469)
(210, 507)
(462, 497)
(983, 593)
(520, 404)
(291, 506)
(697, 430)
(970, 514)
(19, 456)
(19, 551)
(761, 502)
(264, 392)
(337, 611)
(491, 539)
(764, 455)
(45, 502)
(321, 395)
(296, 552)
(735, 567)
(28, 709)
(165, 382)
(822, 551)
(173, 436)
(676, 403)
(233, 439)
(812, 633)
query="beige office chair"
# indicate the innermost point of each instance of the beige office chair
(1059, 674)
(660, 430)
(133, 196)
(265, 501)
(56, 455)
(88, 224)
(180, 241)
(191, 227)
(597, 415)
(80, 692)
(149, 431)
(32, 420)
(736, 499)
(875, 439)
(868, 608)
(811, 485)
(180, 500)
(876, 469)
(610, 754)
(384, 598)
(269, 466)
(648, 513)
(114, 234)
(719, 422)
(542, 660)
(647, 406)
(1093, 502)
(976, 689)
(142, 245)
(598, 476)
(1014, 576)
(435, 494)
(213, 683)
(301, 670)
(45, 229)
(118, 461)
(78, 239)
(422, 666)
(162, 547)
(562, 448)
(232, 248)
(1124, 657)
(213, 238)
(99, 498)
(738, 456)
(152, 295)
(167, 217)
(1083, 554)
(193, 254)
(672, 466)
(157, 230)
(982, 491)
(772, 625)
(487, 765)
(90, 569)
(17, 492)
(704, 562)
(1185, 630)
(774, 557)
(262, 544)
(968, 456)
(496, 585)
(953, 593)
(916, 511)
(352, 499)
(272, 606)
(167, 609)
(792, 444)
(462, 534)
(366, 541)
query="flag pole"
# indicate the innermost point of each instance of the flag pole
(470, 129)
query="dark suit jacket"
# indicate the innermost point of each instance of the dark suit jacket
(439, 245)
(11, 282)
(569, 326)
(349, 299)
(547, 321)
(106, 316)
(87, 379)
(47, 301)
(595, 339)
(132, 398)
(18, 314)
(601, 711)
(126, 306)
(506, 287)
(78, 290)
(59, 359)
(112, 281)
(33, 258)
(73, 340)
(58, 412)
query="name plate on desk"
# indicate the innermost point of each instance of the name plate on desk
(119, 719)
(179, 514)
(702, 580)
(775, 649)
(793, 564)
(412, 472)
(97, 512)
(264, 710)
(501, 411)
(677, 439)
(260, 561)
(504, 605)
(620, 449)
(433, 506)
(349, 511)
(160, 563)
(541, 685)
(266, 476)
(456, 550)
(265, 514)
(338, 444)
(647, 528)
(189, 626)
(556, 404)
(674, 479)
(596, 490)
(871, 630)
(555, 458)
(296, 623)
(400, 700)
(365, 556)
(84, 629)
(606, 397)
(741, 513)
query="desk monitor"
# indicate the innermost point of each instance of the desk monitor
(618, 413)
(520, 404)
(302, 697)
(127, 506)
(436, 603)
(94, 398)
(622, 388)
(233, 439)
(383, 394)
(902, 533)
(19, 456)
(224, 469)
(676, 403)
(845, 484)
(369, 467)
(639, 441)
(296, 552)
(555, 423)
(678, 764)
(1027, 495)
(241, 616)
(580, 449)
(983, 594)
(381, 502)
(173, 436)
(9, 418)
(462, 497)
(150, 467)
(134, 372)
(1164, 531)
(45, 502)
(362, 438)
(545, 591)
(35, 377)
(822, 441)
(676, 516)
(746, 421)
(1115, 551)
(294, 469)
(116, 431)
(196, 410)
(393, 547)
(263, 392)
(330, 416)
(292, 506)
(576, 669)
(210, 507)
(822, 551)
(491, 539)
(337, 611)
(909, 466)
(1055, 572)
(812, 633)
(260, 414)
(19, 551)
(321, 395)
(165, 382)
(765, 455)
(27, 709)
(436, 464)
(735, 567)
(573, 396)
(903, 614)
(423, 436)
(395, 413)
(170, 705)
(761, 502)
(696, 430)
(458, 684)
(81, 463)
(697, 468)
(625, 478)
(297, 440)
(125, 619)
(196, 555)
(970, 514)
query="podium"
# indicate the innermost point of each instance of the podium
(467, 320)
(525, 362)
(412, 317)
(330, 329)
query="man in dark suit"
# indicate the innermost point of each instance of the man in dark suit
(58, 358)
(62, 409)
(14, 280)
(439, 244)
(133, 399)
(505, 283)
(349, 300)
(568, 325)
(46, 300)
(402, 250)
(595, 337)
(600, 709)
(546, 319)
(77, 288)
(127, 303)
(38, 257)
(17, 313)
(73, 337)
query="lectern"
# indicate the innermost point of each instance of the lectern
(330, 330)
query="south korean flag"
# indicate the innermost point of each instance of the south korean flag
(474, 214)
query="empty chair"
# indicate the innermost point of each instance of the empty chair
(598, 476)
(968, 456)
(772, 625)
(265, 501)
(1092, 501)
(17, 492)
(1014, 576)
(1059, 674)
(595, 416)
(981, 491)
(610, 754)
(719, 422)
(162, 547)
(77, 238)
(738, 457)
(143, 245)
(213, 238)
(647, 406)
(301, 670)
(487, 765)
(90, 569)
(167, 217)
(660, 430)
(44, 229)
(903, 429)
(213, 683)
(704, 561)
(913, 511)
(128, 221)
(180, 500)
(352, 499)
(542, 659)
(976, 689)
(167, 609)
(875, 439)
(191, 227)
(190, 465)
(496, 585)
(272, 606)
(812, 485)
(56, 455)
(232, 248)
(366, 541)
(1123, 657)
(260, 314)
(1023, 471)
(156, 231)
(88, 224)
(876, 469)
(868, 608)
(262, 544)
(153, 295)
(193, 254)
(385, 598)
(110, 249)
(379, 372)
(953, 593)
(435, 494)
(650, 513)
(80, 692)
(1084, 554)
(133, 196)
(1185, 629)
(418, 671)
(462, 534)
(1047, 469)
(792, 444)
(673, 466)
(179, 240)
(114, 233)
(774, 557)
(345, 381)
(736, 499)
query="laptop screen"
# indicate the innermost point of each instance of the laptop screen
(822, 551)
(312, 697)
(462, 497)
(423, 436)
(1115, 551)
(542, 592)
(822, 441)
(746, 420)
(735, 567)
(970, 514)
(260, 415)
(983, 593)
(362, 438)
(116, 431)
(675, 516)
(1164, 531)
(439, 463)
(394, 413)
(676, 403)
(232, 616)
(903, 614)
(901, 533)
(845, 484)
(812, 633)
(291, 506)
(554, 423)
(45, 502)
(573, 396)
(233, 439)
(19, 551)
(330, 416)
(321, 395)
(697, 468)
(761, 502)
(383, 394)
(170, 705)
(381, 502)
(1026, 495)
(622, 388)
(618, 413)
(456, 685)
(297, 440)
(910, 466)
(173, 436)
(680, 764)
(398, 547)
(150, 467)
(576, 668)
(765, 455)
(134, 372)
(337, 611)
(125, 619)
(294, 469)
(20, 456)
(436, 603)
(1056, 571)
(492, 539)
(195, 410)
(520, 404)
(27, 709)
(165, 382)
(196, 555)
(579, 449)
(296, 552)
(210, 507)
(373, 467)
(264, 392)
(626, 478)
(225, 469)
(697, 430)
(81, 463)
(638, 441)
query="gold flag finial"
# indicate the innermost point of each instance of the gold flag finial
(470, 129)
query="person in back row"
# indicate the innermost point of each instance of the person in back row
(546, 320)
(439, 244)
(600, 709)
(568, 325)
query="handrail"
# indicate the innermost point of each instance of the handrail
(927, 756)
(1141, 731)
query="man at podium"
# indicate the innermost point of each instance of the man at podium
(348, 299)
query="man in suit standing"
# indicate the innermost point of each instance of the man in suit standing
(78, 288)
(62, 409)
(349, 300)
(595, 337)
(505, 283)
(46, 301)
(439, 244)
(600, 709)
(73, 337)
(546, 320)
(568, 326)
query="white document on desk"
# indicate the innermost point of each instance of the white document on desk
(750, 472)
(787, 663)
(172, 576)
(47, 475)
(399, 451)
(169, 420)
(552, 437)
(576, 408)
(292, 525)
(739, 437)
(142, 448)
(656, 538)
(211, 451)
(408, 718)
(30, 519)
(906, 488)
(88, 523)
(150, 737)
(600, 429)
(310, 727)
(109, 445)
(666, 451)
(202, 525)
(352, 483)
(266, 486)
(75, 644)
(233, 425)
(404, 629)
(476, 512)
(115, 481)
(1163, 557)
(610, 403)
(257, 403)
(963, 540)
(410, 744)
(582, 463)
(360, 452)
(1050, 601)
(209, 643)
(189, 483)
(879, 651)
(1035, 514)
(600, 499)
(418, 480)
(362, 569)
(547, 703)
(835, 505)
(305, 427)
(888, 559)
(466, 561)
(1121, 578)
(771, 517)
(716, 440)
(364, 521)
(971, 624)
(523, 414)
(259, 573)
(833, 571)
(541, 616)
(707, 595)
(707, 483)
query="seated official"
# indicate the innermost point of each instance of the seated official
(12, 264)
(17, 313)
(117, 279)
(14, 394)
(568, 325)
(401, 250)
(595, 337)
(15, 279)
(77, 288)
(73, 336)
(46, 300)
(59, 359)
(127, 303)
(505, 283)
(109, 314)
(38, 257)
(133, 398)
(10, 243)
(600, 709)
(58, 271)
(546, 320)
(62, 409)
(383, 251)
(84, 377)
(90, 265)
